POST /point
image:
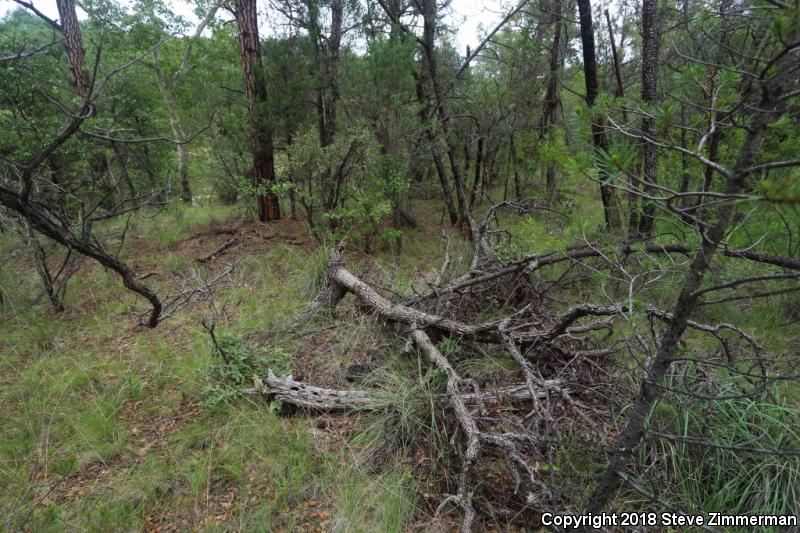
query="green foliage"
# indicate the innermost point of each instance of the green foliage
(409, 419)
(702, 478)
(350, 181)
(238, 364)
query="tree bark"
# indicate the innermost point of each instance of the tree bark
(651, 35)
(551, 99)
(609, 198)
(255, 89)
(442, 112)
(478, 171)
(430, 135)
(512, 148)
(333, 68)
(76, 56)
(620, 93)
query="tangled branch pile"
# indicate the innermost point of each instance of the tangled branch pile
(568, 379)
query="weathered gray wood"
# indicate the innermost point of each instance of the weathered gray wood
(289, 390)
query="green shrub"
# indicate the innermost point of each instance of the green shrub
(237, 365)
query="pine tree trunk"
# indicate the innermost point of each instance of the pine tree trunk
(429, 38)
(430, 136)
(651, 35)
(551, 99)
(260, 128)
(76, 56)
(609, 198)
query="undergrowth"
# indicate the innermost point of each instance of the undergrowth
(744, 472)
(237, 365)
(106, 429)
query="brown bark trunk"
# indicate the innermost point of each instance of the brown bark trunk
(609, 198)
(620, 93)
(429, 38)
(512, 148)
(430, 135)
(684, 185)
(478, 171)
(333, 68)
(260, 128)
(76, 56)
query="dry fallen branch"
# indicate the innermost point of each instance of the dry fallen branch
(340, 281)
(201, 291)
(293, 392)
(463, 395)
(219, 250)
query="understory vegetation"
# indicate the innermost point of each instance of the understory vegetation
(110, 428)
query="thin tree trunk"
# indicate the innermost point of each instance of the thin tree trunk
(292, 192)
(684, 186)
(651, 388)
(429, 38)
(512, 148)
(713, 149)
(40, 260)
(609, 198)
(430, 135)
(260, 129)
(651, 35)
(551, 98)
(175, 124)
(123, 168)
(478, 169)
(171, 103)
(620, 93)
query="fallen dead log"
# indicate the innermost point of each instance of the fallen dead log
(462, 393)
(517, 333)
(289, 390)
(340, 281)
(219, 250)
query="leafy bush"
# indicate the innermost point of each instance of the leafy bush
(238, 364)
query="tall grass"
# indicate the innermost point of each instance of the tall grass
(722, 479)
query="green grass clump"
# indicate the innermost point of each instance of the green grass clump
(750, 480)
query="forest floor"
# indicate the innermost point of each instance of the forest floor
(108, 427)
